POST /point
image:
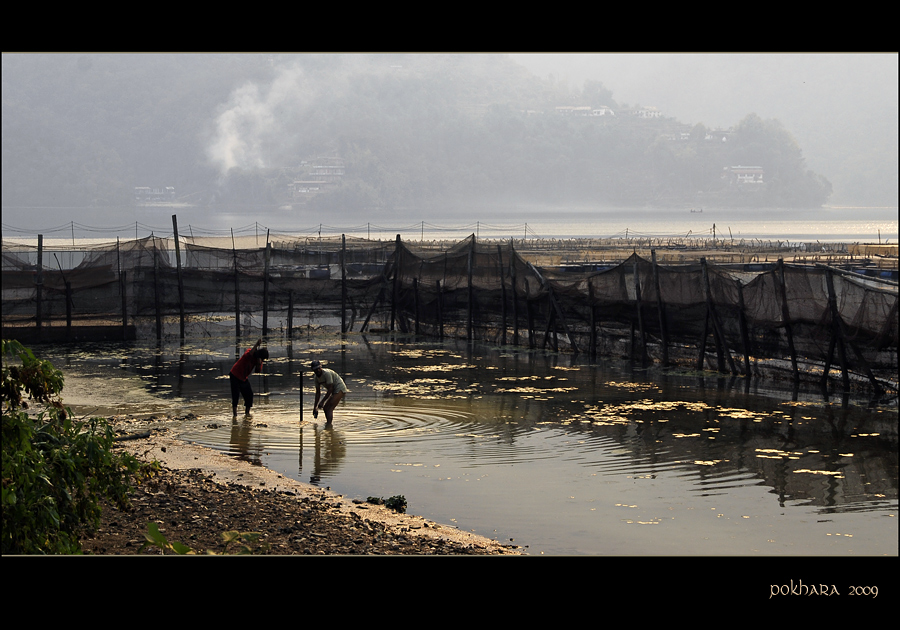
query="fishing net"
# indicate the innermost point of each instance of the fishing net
(726, 317)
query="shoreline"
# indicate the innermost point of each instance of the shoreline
(175, 454)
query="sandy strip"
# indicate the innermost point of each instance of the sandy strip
(176, 454)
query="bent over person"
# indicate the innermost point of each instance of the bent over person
(335, 390)
(251, 360)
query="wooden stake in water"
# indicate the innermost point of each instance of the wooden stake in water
(301, 394)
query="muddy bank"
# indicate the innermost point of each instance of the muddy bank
(199, 494)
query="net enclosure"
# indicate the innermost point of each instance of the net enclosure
(814, 318)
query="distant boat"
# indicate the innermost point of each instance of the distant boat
(700, 210)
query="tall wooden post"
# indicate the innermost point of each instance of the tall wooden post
(786, 317)
(661, 310)
(745, 332)
(343, 283)
(68, 310)
(290, 317)
(515, 298)
(440, 309)
(237, 291)
(268, 256)
(471, 296)
(502, 294)
(122, 286)
(640, 317)
(836, 333)
(180, 279)
(722, 350)
(156, 295)
(39, 286)
(415, 286)
(530, 313)
(396, 293)
(593, 320)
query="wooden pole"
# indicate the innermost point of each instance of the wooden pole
(502, 294)
(237, 291)
(470, 300)
(156, 296)
(343, 283)
(562, 318)
(593, 319)
(378, 298)
(844, 338)
(290, 318)
(702, 356)
(836, 334)
(180, 279)
(661, 310)
(722, 350)
(745, 332)
(122, 286)
(268, 257)
(396, 293)
(39, 286)
(416, 302)
(786, 316)
(68, 310)
(529, 308)
(440, 308)
(640, 317)
(515, 298)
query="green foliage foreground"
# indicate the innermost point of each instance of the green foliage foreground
(56, 470)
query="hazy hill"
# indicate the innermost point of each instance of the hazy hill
(407, 130)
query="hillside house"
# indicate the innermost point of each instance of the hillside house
(745, 175)
(146, 193)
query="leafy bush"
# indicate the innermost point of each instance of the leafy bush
(55, 470)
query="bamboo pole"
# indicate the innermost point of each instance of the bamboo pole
(515, 299)
(180, 279)
(470, 301)
(156, 296)
(640, 318)
(502, 294)
(343, 283)
(237, 291)
(39, 286)
(837, 338)
(268, 257)
(786, 317)
(745, 333)
(395, 296)
(661, 310)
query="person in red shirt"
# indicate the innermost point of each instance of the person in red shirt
(251, 360)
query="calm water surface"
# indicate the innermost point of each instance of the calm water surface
(549, 452)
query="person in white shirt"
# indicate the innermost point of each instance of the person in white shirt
(335, 390)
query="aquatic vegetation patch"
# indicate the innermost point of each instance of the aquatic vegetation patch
(833, 473)
(632, 387)
(427, 388)
(443, 367)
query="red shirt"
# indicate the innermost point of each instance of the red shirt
(244, 366)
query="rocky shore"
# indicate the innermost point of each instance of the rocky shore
(199, 494)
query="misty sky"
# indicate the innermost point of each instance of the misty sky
(835, 104)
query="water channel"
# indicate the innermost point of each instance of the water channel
(547, 451)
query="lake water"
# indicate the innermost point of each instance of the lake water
(828, 224)
(550, 452)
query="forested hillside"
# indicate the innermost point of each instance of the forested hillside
(407, 130)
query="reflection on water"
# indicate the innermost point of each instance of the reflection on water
(561, 455)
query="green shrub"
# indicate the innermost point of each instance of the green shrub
(56, 470)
